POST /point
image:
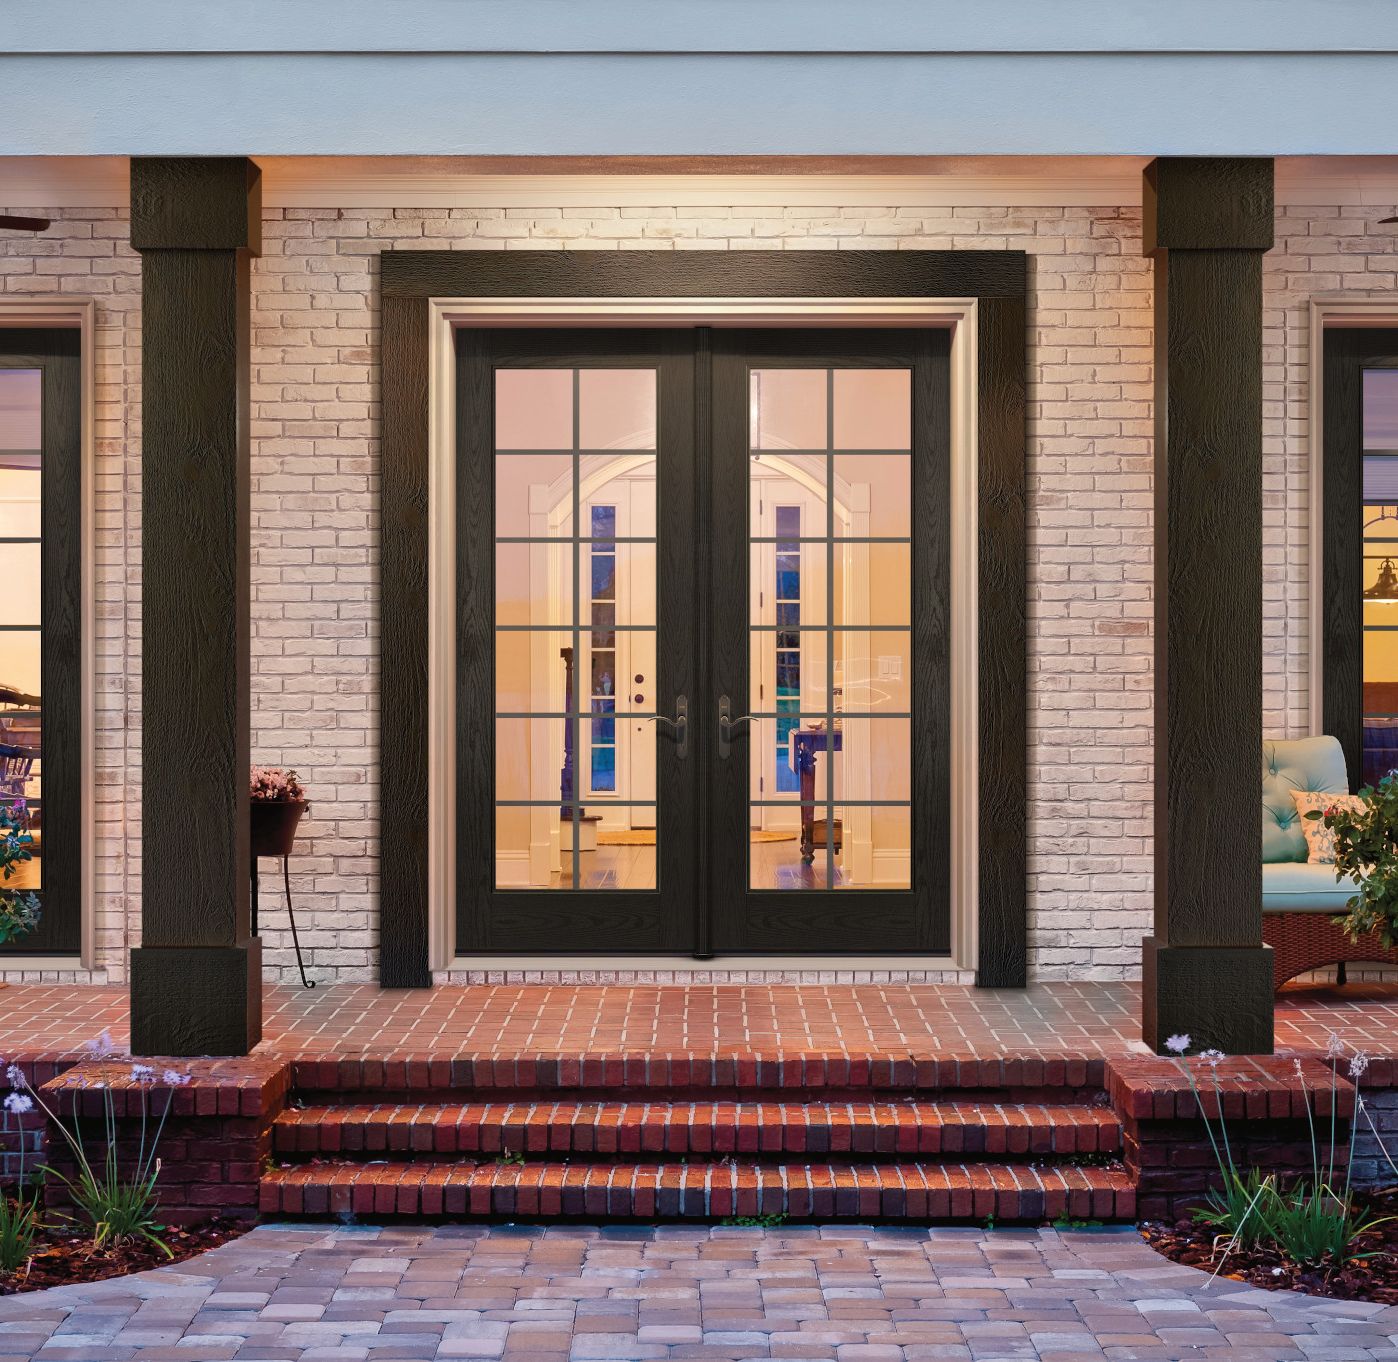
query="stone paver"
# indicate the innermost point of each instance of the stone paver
(306, 1293)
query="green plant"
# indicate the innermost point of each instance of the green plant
(19, 1223)
(118, 1205)
(19, 1214)
(1366, 848)
(1312, 1222)
(771, 1221)
(511, 1158)
(1239, 1210)
(19, 908)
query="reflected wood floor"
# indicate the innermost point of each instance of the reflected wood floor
(775, 865)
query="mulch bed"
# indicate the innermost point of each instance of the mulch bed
(69, 1259)
(1371, 1275)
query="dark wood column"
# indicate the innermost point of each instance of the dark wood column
(1208, 222)
(196, 979)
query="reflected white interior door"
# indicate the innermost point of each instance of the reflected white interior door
(773, 487)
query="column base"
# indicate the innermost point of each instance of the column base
(1221, 997)
(196, 1000)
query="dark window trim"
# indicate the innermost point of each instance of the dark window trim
(57, 350)
(997, 279)
(1347, 352)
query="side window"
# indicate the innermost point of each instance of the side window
(40, 625)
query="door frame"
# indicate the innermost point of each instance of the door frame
(981, 295)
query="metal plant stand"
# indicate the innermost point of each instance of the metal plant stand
(290, 912)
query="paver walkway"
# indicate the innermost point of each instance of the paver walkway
(568, 1294)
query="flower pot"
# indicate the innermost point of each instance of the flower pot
(274, 825)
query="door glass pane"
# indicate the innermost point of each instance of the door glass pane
(575, 636)
(20, 411)
(1380, 573)
(877, 489)
(21, 712)
(830, 605)
(873, 409)
(787, 408)
(530, 489)
(616, 409)
(534, 408)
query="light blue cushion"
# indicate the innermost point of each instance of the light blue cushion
(1295, 764)
(1291, 888)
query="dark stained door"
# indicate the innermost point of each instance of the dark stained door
(575, 827)
(747, 531)
(830, 628)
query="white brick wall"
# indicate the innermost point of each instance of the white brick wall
(315, 474)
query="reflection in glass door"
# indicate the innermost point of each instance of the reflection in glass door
(574, 457)
(831, 672)
(710, 730)
(575, 489)
(829, 485)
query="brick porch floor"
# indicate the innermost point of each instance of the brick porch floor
(1050, 1020)
(908, 1101)
(1078, 1020)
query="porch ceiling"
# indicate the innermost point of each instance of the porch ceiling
(727, 181)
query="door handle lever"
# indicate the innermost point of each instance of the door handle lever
(678, 726)
(727, 724)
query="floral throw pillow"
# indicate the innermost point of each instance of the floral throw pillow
(1320, 840)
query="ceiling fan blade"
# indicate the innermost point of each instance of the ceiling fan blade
(12, 224)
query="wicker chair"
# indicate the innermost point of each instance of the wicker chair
(1300, 901)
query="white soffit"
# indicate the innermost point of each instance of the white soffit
(427, 182)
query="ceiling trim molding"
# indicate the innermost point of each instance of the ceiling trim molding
(387, 183)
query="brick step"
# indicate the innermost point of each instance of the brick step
(964, 1128)
(822, 1191)
(728, 1073)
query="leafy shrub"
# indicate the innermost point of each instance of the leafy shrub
(1314, 1221)
(1366, 848)
(118, 1205)
(19, 908)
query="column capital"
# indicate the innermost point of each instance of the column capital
(1207, 203)
(196, 203)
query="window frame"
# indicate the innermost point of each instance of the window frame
(57, 337)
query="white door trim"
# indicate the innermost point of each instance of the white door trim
(445, 316)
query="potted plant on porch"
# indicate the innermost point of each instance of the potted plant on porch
(275, 805)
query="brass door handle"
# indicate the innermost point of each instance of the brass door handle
(678, 726)
(727, 725)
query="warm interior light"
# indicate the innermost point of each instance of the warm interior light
(1385, 589)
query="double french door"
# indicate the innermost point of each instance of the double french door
(703, 629)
